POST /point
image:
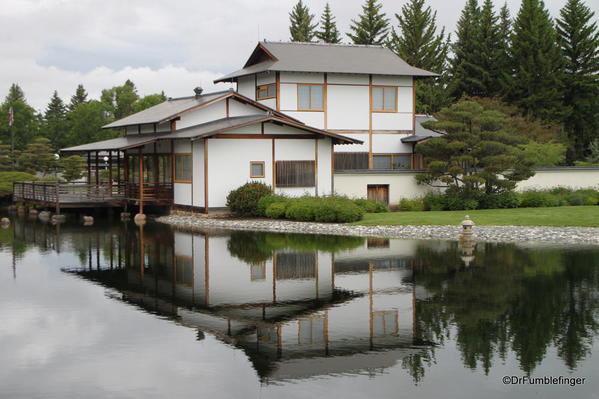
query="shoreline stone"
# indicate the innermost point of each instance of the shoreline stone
(507, 234)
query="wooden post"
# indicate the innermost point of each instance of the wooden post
(141, 181)
(89, 167)
(56, 192)
(110, 168)
(97, 170)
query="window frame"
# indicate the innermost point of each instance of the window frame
(310, 85)
(265, 87)
(178, 154)
(394, 154)
(262, 163)
(277, 174)
(394, 110)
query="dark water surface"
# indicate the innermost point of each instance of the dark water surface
(115, 311)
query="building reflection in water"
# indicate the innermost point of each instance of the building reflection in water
(297, 305)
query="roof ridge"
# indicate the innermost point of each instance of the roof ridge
(379, 46)
(203, 95)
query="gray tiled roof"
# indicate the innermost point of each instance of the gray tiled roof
(421, 132)
(320, 57)
(202, 130)
(165, 110)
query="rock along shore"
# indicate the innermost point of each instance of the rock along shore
(546, 234)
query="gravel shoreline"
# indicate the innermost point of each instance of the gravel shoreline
(546, 234)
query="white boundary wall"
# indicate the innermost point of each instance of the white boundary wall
(403, 184)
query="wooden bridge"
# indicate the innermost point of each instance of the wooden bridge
(84, 195)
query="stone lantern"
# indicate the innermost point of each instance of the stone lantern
(467, 226)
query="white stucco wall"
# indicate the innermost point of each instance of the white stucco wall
(205, 114)
(246, 86)
(388, 143)
(572, 178)
(348, 107)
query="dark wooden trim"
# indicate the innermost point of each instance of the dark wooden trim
(264, 136)
(141, 181)
(332, 170)
(227, 105)
(414, 105)
(324, 100)
(274, 166)
(370, 122)
(173, 125)
(187, 208)
(316, 167)
(344, 131)
(191, 143)
(278, 82)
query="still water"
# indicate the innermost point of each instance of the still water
(118, 311)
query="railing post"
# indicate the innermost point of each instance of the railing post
(56, 192)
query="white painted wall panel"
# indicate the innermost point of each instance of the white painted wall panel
(294, 150)
(348, 78)
(405, 100)
(229, 165)
(302, 77)
(288, 98)
(271, 128)
(314, 119)
(202, 115)
(246, 86)
(392, 121)
(238, 109)
(571, 178)
(198, 173)
(271, 102)
(390, 143)
(391, 80)
(183, 244)
(324, 167)
(348, 107)
(182, 193)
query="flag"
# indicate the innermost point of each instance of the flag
(11, 117)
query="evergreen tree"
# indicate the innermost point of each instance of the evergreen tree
(502, 61)
(54, 125)
(148, 101)
(536, 86)
(579, 42)
(15, 93)
(301, 27)
(79, 97)
(72, 167)
(417, 42)
(26, 122)
(465, 69)
(329, 32)
(372, 25)
(492, 51)
(38, 157)
(120, 99)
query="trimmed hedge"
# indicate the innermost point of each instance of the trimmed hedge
(371, 206)
(560, 196)
(244, 200)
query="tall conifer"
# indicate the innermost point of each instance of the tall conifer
(79, 97)
(328, 32)
(579, 42)
(465, 68)
(536, 85)
(372, 25)
(301, 27)
(54, 125)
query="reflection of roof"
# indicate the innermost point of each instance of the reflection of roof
(322, 57)
(204, 130)
(421, 133)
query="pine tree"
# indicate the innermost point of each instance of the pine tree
(15, 93)
(503, 50)
(372, 25)
(301, 27)
(79, 97)
(54, 126)
(465, 69)
(579, 41)
(536, 60)
(417, 42)
(329, 32)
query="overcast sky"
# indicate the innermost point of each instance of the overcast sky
(161, 45)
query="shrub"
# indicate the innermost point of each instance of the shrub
(507, 199)
(244, 200)
(269, 199)
(301, 209)
(371, 206)
(276, 210)
(535, 199)
(8, 178)
(591, 196)
(408, 205)
(433, 202)
(337, 209)
(457, 203)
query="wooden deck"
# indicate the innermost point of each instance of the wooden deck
(83, 195)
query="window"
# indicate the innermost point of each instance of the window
(351, 160)
(295, 174)
(391, 161)
(384, 99)
(385, 323)
(295, 265)
(256, 169)
(183, 168)
(311, 330)
(183, 270)
(258, 271)
(266, 91)
(309, 97)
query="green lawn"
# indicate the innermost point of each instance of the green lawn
(556, 216)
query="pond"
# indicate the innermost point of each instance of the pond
(114, 310)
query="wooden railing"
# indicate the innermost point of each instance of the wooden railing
(52, 192)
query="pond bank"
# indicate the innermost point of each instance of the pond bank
(558, 235)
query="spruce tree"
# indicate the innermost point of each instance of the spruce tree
(301, 27)
(465, 68)
(536, 60)
(579, 42)
(502, 62)
(372, 25)
(328, 32)
(54, 126)
(490, 46)
(15, 93)
(417, 42)
(79, 97)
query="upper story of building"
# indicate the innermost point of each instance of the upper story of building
(351, 89)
